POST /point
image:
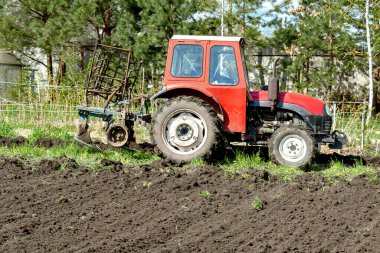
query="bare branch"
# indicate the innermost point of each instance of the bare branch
(33, 59)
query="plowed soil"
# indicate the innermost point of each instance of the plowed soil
(59, 206)
(8, 142)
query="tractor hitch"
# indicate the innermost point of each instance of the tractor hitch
(340, 140)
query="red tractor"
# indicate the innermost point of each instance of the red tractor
(209, 105)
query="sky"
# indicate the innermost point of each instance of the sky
(267, 6)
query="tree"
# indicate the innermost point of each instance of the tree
(147, 25)
(319, 28)
(365, 20)
(27, 24)
(370, 71)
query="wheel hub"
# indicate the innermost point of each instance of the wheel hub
(185, 132)
(117, 135)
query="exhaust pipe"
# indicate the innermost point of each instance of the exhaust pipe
(273, 87)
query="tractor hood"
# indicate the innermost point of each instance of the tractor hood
(300, 102)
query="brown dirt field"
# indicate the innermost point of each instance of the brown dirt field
(158, 208)
(8, 142)
(49, 143)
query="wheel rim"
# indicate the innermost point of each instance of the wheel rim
(184, 132)
(117, 136)
(293, 148)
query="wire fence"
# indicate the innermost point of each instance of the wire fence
(38, 114)
(350, 118)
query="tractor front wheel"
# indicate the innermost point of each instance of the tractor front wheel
(292, 146)
(186, 128)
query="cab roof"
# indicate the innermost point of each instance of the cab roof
(213, 38)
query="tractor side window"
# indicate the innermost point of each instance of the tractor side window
(223, 68)
(187, 61)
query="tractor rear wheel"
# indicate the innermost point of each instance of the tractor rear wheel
(186, 128)
(292, 146)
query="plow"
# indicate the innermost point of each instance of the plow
(110, 94)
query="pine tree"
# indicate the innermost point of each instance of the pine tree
(319, 28)
(43, 24)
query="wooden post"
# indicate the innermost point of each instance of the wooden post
(363, 125)
(334, 116)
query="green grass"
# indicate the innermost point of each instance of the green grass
(241, 164)
(244, 161)
(205, 194)
(83, 155)
(7, 130)
(51, 133)
(352, 126)
(196, 162)
(337, 169)
(257, 203)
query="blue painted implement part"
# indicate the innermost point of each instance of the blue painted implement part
(106, 115)
(111, 80)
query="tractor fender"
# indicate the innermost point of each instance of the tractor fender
(190, 90)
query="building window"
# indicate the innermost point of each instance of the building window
(223, 68)
(187, 61)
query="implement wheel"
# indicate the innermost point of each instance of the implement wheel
(186, 128)
(119, 135)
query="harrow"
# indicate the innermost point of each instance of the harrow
(110, 95)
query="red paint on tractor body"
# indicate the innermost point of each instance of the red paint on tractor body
(231, 99)
(312, 105)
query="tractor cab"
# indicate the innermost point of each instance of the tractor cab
(211, 68)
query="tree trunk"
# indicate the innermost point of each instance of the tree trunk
(229, 21)
(49, 60)
(260, 65)
(306, 89)
(331, 66)
(60, 72)
(244, 14)
(376, 78)
(222, 20)
(370, 71)
(81, 59)
(331, 56)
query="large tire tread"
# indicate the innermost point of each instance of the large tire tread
(215, 151)
(274, 154)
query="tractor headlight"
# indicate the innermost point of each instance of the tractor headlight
(326, 110)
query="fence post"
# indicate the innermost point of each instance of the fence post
(334, 116)
(363, 125)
